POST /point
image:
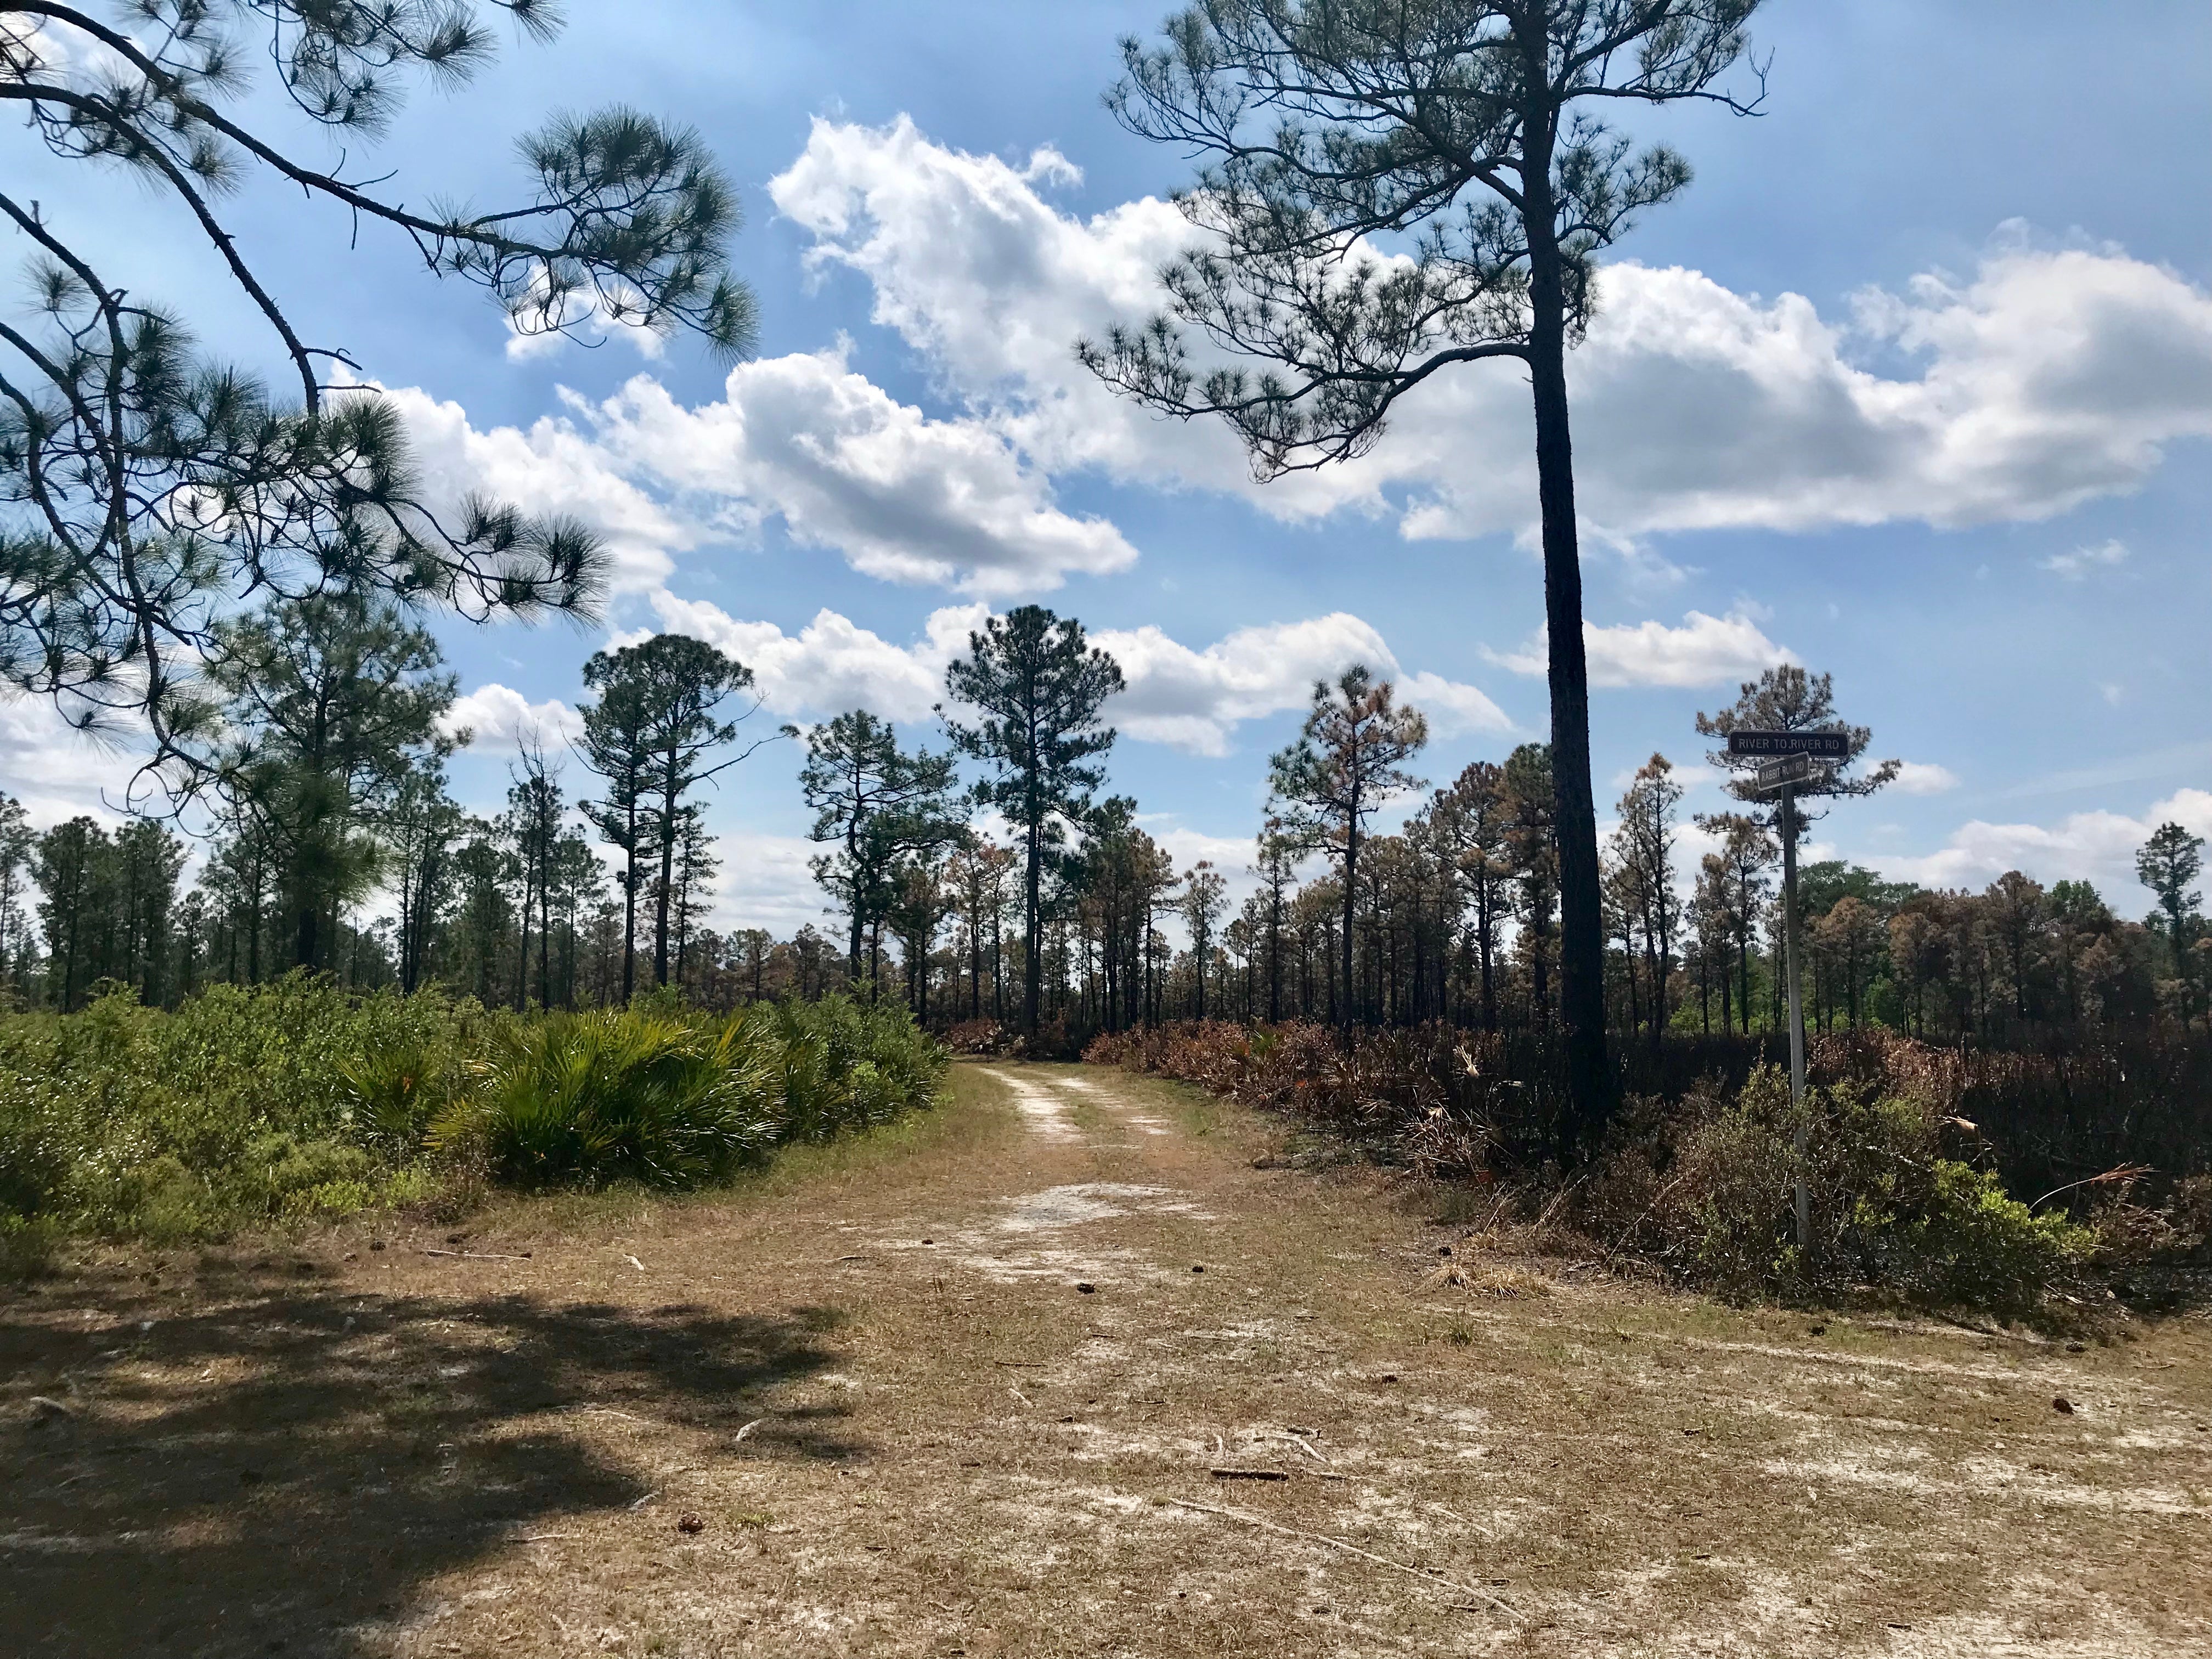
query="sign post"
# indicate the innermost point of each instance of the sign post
(1788, 762)
(1803, 1194)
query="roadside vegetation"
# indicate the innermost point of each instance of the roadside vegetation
(252, 1106)
(1922, 1165)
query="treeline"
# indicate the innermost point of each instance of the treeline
(1024, 895)
(332, 841)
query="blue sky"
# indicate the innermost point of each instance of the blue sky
(1914, 385)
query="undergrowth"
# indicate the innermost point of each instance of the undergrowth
(295, 1100)
(1905, 1197)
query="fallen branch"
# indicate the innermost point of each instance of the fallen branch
(1305, 1446)
(1352, 1549)
(1247, 1475)
(478, 1256)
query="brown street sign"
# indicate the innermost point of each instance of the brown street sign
(1824, 745)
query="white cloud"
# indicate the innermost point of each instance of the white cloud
(54, 770)
(1193, 700)
(1188, 699)
(500, 717)
(584, 321)
(2045, 377)
(2076, 565)
(1923, 778)
(832, 664)
(1704, 650)
(551, 468)
(764, 883)
(2098, 846)
(902, 496)
(802, 439)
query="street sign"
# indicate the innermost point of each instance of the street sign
(1790, 768)
(1827, 745)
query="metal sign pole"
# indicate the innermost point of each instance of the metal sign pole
(1804, 1195)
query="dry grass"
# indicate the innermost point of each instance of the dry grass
(870, 1377)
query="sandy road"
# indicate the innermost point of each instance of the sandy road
(965, 1390)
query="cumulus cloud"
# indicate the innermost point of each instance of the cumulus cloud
(1189, 698)
(765, 882)
(2041, 379)
(1923, 778)
(949, 502)
(2076, 565)
(1704, 650)
(2098, 846)
(799, 439)
(1192, 699)
(550, 468)
(832, 664)
(498, 716)
(584, 320)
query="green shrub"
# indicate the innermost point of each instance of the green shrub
(617, 1094)
(1710, 1197)
(297, 1099)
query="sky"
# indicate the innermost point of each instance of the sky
(1913, 386)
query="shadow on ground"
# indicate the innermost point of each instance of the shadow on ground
(282, 1466)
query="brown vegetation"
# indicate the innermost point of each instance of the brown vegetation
(1919, 1156)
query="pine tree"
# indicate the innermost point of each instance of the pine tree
(74, 870)
(648, 736)
(1035, 688)
(1205, 896)
(1349, 760)
(329, 701)
(1465, 135)
(2166, 864)
(880, 806)
(18, 845)
(1647, 836)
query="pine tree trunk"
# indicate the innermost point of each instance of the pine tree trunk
(629, 895)
(1581, 921)
(1351, 899)
(1032, 898)
(668, 794)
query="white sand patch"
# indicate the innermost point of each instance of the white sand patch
(1143, 1122)
(1102, 1266)
(1882, 1468)
(1092, 1200)
(1045, 1111)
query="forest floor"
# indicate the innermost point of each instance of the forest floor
(961, 1388)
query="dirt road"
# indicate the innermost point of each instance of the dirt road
(1058, 1372)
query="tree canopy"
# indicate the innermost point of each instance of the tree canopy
(150, 491)
(1037, 687)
